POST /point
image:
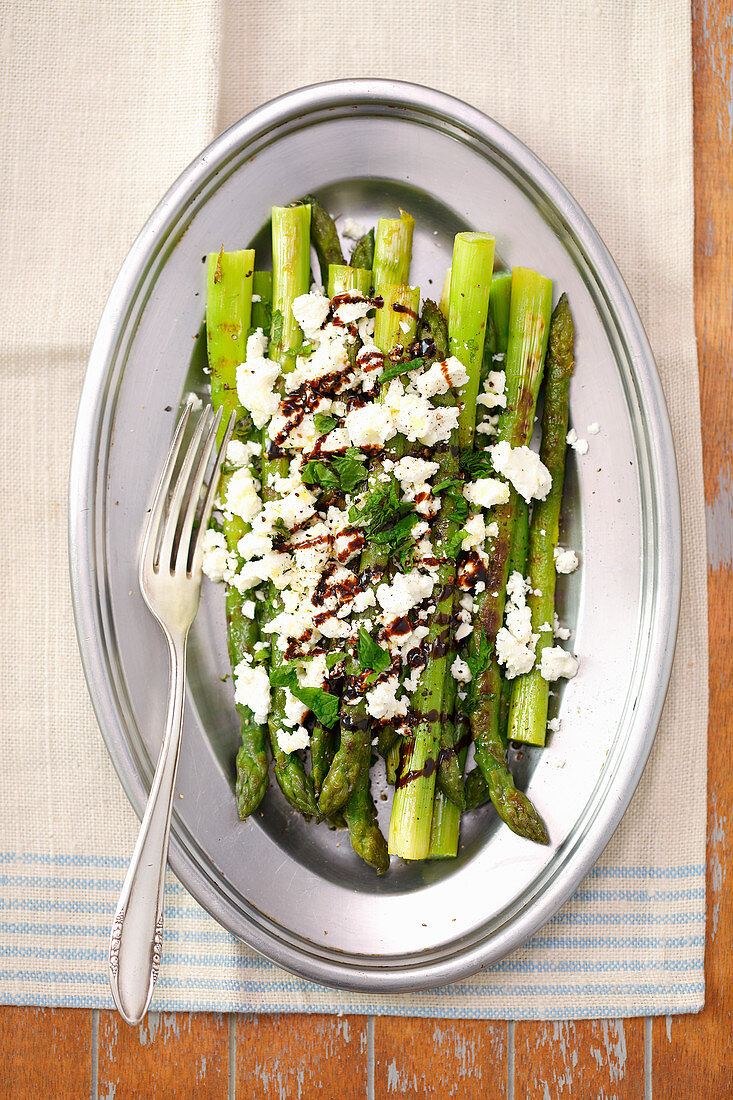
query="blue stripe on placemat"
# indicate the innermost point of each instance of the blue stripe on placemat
(54, 926)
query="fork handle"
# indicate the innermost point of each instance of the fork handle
(137, 930)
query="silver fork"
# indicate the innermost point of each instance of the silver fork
(170, 580)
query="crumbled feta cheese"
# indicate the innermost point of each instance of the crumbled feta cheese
(579, 445)
(241, 497)
(382, 701)
(566, 561)
(519, 622)
(554, 725)
(256, 344)
(440, 377)
(310, 311)
(215, 561)
(406, 591)
(370, 425)
(517, 587)
(363, 600)
(351, 229)
(515, 642)
(239, 454)
(561, 632)
(194, 401)
(412, 471)
(336, 440)
(517, 657)
(475, 529)
(493, 396)
(594, 428)
(253, 545)
(486, 492)
(290, 741)
(524, 468)
(334, 628)
(252, 689)
(460, 671)
(294, 710)
(415, 417)
(255, 381)
(365, 328)
(347, 312)
(556, 662)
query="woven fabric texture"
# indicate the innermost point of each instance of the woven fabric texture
(104, 105)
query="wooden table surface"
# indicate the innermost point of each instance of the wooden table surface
(75, 1053)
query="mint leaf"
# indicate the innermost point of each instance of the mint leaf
(332, 659)
(478, 662)
(284, 676)
(324, 705)
(370, 654)
(318, 473)
(324, 423)
(399, 368)
(351, 472)
(453, 545)
(476, 464)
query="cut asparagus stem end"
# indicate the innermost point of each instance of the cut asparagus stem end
(412, 808)
(471, 268)
(446, 824)
(393, 250)
(342, 279)
(290, 276)
(228, 313)
(396, 318)
(529, 329)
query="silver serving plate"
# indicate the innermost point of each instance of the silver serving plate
(296, 892)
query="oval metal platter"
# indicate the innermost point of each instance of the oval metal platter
(293, 891)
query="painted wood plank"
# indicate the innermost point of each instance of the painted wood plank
(694, 1052)
(583, 1059)
(171, 1055)
(279, 1057)
(440, 1058)
(45, 1052)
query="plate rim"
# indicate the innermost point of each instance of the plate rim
(319, 966)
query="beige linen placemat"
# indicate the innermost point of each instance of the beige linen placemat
(104, 104)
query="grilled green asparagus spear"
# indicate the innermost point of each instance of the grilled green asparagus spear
(476, 789)
(363, 252)
(361, 817)
(355, 745)
(290, 275)
(529, 696)
(412, 808)
(392, 252)
(528, 333)
(324, 237)
(228, 314)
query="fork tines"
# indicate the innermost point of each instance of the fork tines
(179, 516)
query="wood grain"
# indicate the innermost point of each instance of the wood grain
(171, 1055)
(584, 1058)
(689, 1051)
(280, 1057)
(45, 1052)
(440, 1058)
